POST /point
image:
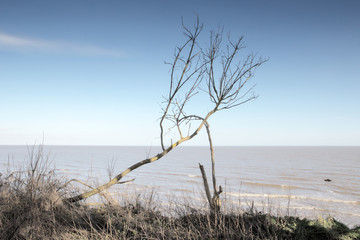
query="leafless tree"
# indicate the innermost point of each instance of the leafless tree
(214, 70)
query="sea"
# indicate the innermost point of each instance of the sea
(313, 182)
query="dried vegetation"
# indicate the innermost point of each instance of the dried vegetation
(33, 206)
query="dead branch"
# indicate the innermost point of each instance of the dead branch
(206, 186)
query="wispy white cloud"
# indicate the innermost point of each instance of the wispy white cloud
(17, 43)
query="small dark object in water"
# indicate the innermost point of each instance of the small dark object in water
(327, 180)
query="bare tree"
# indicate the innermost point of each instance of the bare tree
(220, 74)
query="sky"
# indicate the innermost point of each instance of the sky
(93, 73)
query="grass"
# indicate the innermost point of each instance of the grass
(32, 207)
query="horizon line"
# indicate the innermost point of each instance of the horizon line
(112, 145)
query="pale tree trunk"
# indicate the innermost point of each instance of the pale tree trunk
(214, 201)
(118, 177)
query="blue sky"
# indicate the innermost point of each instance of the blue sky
(93, 72)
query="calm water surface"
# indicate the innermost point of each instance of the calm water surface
(277, 178)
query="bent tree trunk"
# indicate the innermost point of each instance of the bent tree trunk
(118, 177)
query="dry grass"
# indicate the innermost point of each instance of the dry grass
(32, 207)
